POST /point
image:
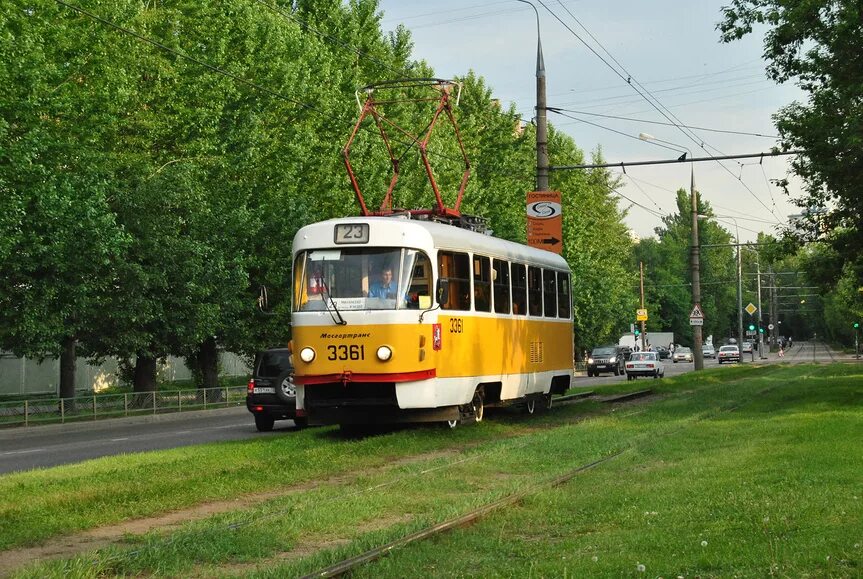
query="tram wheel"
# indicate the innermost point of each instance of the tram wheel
(530, 406)
(477, 405)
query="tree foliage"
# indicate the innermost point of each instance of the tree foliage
(668, 279)
(146, 199)
(819, 45)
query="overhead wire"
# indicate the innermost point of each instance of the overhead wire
(645, 121)
(641, 90)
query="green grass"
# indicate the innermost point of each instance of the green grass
(735, 472)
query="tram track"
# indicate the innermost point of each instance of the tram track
(349, 564)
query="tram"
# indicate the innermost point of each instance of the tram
(400, 319)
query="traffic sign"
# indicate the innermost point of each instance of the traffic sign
(770, 326)
(696, 312)
(545, 220)
(751, 309)
(696, 321)
(641, 315)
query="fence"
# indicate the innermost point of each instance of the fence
(97, 406)
(25, 376)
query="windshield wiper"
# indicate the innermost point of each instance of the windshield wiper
(341, 321)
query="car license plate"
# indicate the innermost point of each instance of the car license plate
(263, 390)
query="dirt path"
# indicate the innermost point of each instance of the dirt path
(92, 539)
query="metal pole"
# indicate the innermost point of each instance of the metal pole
(697, 353)
(643, 323)
(541, 112)
(760, 327)
(739, 288)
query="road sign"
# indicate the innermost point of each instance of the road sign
(545, 220)
(696, 321)
(770, 326)
(641, 315)
(751, 309)
(696, 312)
(750, 332)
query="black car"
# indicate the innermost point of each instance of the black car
(664, 353)
(606, 359)
(271, 395)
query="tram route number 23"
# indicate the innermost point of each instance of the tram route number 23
(456, 325)
(345, 352)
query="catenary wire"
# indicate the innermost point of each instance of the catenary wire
(652, 100)
(616, 117)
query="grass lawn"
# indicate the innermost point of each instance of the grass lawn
(745, 471)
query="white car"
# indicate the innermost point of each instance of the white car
(708, 351)
(747, 347)
(644, 364)
(728, 354)
(682, 354)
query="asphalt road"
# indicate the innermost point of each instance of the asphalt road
(45, 446)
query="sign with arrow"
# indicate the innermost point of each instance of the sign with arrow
(545, 220)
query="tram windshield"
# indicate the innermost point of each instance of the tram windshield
(366, 278)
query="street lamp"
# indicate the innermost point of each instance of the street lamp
(739, 274)
(697, 354)
(541, 120)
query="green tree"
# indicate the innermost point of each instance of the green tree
(819, 45)
(60, 241)
(668, 279)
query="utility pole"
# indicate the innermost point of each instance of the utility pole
(774, 309)
(643, 323)
(760, 327)
(697, 353)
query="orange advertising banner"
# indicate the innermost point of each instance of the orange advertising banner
(545, 220)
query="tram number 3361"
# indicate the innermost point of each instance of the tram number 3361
(345, 352)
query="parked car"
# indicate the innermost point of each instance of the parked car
(271, 394)
(682, 354)
(644, 364)
(605, 359)
(728, 354)
(708, 351)
(747, 347)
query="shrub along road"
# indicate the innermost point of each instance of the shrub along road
(746, 471)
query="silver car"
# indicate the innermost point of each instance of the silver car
(708, 351)
(682, 354)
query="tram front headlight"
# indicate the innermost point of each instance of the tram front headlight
(307, 354)
(385, 353)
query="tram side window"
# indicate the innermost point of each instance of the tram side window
(481, 284)
(519, 289)
(549, 288)
(564, 299)
(534, 291)
(500, 275)
(455, 269)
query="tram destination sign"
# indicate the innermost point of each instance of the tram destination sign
(545, 220)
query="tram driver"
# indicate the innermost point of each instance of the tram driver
(386, 287)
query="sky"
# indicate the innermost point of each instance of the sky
(669, 47)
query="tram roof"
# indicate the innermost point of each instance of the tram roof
(439, 235)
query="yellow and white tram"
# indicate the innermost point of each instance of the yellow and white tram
(405, 320)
